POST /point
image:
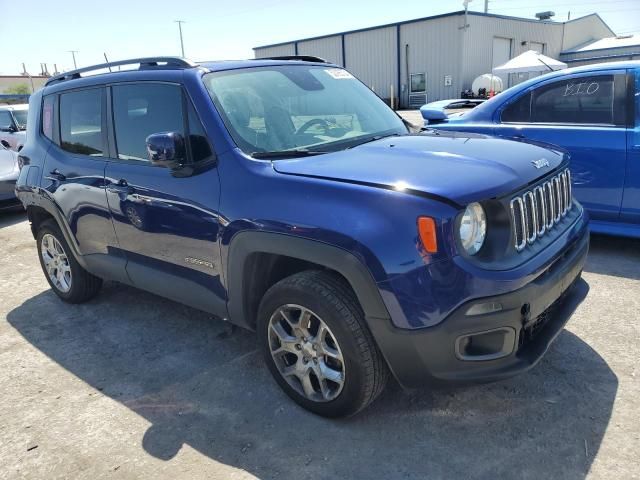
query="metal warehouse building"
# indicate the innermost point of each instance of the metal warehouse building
(623, 47)
(435, 58)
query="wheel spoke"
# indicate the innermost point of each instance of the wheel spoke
(287, 342)
(331, 352)
(307, 386)
(287, 318)
(328, 373)
(324, 389)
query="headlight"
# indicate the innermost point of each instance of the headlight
(473, 228)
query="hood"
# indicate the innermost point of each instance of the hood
(460, 167)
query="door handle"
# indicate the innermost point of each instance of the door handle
(121, 186)
(56, 175)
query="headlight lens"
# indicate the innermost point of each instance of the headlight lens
(473, 228)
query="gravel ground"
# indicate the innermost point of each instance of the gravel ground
(134, 386)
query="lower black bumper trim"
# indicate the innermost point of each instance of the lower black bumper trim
(420, 357)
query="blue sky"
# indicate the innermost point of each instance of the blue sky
(43, 31)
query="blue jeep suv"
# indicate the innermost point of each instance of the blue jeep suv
(282, 195)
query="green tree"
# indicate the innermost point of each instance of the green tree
(18, 89)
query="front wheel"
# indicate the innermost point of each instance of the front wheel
(317, 346)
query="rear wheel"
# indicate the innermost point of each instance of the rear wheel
(317, 346)
(65, 275)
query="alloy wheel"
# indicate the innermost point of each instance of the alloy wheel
(306, 353)
(56, 263)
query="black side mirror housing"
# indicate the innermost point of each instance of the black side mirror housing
(166, 149)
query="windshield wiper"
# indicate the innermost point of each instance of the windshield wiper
(286, 154)
(375, 138)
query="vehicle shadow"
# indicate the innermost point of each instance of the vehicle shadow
(201, 383)
(12, 217)
(615, 256)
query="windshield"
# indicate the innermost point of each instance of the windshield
(21, 118)
(299, 107)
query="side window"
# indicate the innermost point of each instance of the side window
(81, 122)
(6, 121)
(518, 111)
(47, 116)
(584, 100)
(140, 110)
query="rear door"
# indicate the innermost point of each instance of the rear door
(585, 114)
(631, 202)
(166, 220)
(73, 175)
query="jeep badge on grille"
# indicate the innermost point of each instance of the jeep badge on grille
(543, 162)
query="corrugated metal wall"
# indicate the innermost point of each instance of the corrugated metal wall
(372, 57)
(478, 42)
(434, 48)
(276, 51)
(602, 53)
(440, 47)
(579, 63)
(582, 30)
(329, 48)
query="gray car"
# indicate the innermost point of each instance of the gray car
(13, 126)
(9, 171)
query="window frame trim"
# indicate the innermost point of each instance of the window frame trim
(544, 83)
(185, 99)
(58, 124)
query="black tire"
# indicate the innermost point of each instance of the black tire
(84, 286)
(332, 299)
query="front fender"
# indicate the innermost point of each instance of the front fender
(245, 243)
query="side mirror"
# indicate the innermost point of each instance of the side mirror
(433, 115)
(166, 149)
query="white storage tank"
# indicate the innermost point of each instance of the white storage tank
(487, 81)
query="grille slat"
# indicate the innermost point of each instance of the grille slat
(537, 211)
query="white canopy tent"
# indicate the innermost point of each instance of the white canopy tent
(529, 62)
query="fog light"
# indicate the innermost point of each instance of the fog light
(484, 308)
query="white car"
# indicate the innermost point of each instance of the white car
(13, 126)
(9, 172)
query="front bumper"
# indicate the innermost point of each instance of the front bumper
(512, 340)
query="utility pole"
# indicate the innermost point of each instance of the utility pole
(486, 6)
(180, 22)
(73, 54)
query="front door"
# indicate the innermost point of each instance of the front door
(166, 221)
(586, 115)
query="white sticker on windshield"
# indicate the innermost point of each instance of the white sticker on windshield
(338, 73)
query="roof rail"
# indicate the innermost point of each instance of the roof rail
(301, 58)
(145, 63)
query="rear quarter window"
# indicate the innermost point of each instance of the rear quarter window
(47, 116)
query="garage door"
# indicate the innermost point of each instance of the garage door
(501, 54)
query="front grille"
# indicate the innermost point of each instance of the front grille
(538, 210)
